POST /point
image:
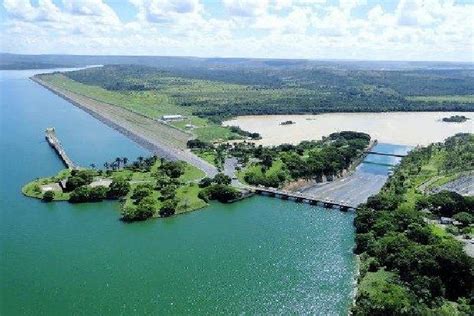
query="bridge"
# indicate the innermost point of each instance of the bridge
(58, 148)
(385, 154)
(303, 198)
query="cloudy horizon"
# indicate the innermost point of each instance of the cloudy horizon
(425, 30)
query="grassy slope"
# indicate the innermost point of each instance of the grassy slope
(152, 104)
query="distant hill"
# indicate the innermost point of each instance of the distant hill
(18, 61)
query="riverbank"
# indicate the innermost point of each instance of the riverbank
(152, 135)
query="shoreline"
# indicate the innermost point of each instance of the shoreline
(302, 185)
(137, 133)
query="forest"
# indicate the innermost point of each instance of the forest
(409, 266)
(234, 89)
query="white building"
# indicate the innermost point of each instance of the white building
(172, 118)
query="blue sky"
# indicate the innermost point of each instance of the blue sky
(315, 29)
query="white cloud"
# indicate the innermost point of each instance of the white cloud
(413, 13)
(95, 8)
(246, 8)
(164, 11)
(427, 29)
(21, 10)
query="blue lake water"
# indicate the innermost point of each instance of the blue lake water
(261, 255)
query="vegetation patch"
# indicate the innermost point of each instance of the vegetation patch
(147, 187)
(429, 271)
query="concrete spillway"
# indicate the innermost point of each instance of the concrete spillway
(54, 142)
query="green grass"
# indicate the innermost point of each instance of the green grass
(444, 98)
(33, 188)
(207, 155)
(372, 281)
(152, 104)
(148, 103)
(192, 173)
(188, 198)
(214, 133)
(276, 167)
(438, 231)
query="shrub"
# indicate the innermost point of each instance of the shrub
(79, 195)
(97, 193)
(168, 208)
(220, 192)
(118, 188)
(48, 196)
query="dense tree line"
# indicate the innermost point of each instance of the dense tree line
(218, 93)
(427, 270)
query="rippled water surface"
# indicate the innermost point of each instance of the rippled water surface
(261, 255)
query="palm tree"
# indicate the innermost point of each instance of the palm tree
(118, 160)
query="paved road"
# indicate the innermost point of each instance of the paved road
(352, 190)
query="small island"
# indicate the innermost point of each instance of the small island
(455, 119)
(147, 187)
(289, 122)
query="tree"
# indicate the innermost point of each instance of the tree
(386, 298)
(48, 196)
(97, 193)
(74, 182)
(220, 192)
(173, 169)
(118, 160)
(145, 209)
(205, 182)
(221, 178)
(141, 191)
(79, 195)
(118, 188)
(168, 208)
(465, 218)
(168, 192)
